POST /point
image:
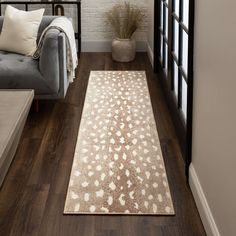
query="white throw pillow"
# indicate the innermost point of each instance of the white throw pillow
(19, 30)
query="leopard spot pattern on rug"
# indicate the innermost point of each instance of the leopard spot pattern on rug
(118, 166)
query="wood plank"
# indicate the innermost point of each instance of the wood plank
(30, 210)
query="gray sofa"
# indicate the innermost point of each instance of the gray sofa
(47, 76)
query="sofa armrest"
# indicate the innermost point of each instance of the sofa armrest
(52, 62)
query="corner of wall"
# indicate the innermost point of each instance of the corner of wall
(202, 204)
(150, 54)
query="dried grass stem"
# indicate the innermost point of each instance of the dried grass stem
(125, 19)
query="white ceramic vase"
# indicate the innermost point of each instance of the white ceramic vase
(123, 50)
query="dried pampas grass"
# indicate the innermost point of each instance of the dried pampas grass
(125, 19)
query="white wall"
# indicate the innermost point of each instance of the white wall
(213, 170)
(150, 30)
(96, 34)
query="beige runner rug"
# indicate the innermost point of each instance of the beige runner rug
(118, 166)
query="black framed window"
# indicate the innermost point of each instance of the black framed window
(175, 49)
(173, 56)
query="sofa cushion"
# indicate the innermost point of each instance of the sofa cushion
(46, 21)
(21, 72)
(20, 30)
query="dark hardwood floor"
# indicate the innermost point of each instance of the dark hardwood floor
(33, 194)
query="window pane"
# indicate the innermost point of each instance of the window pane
(161, 15)
(166, 25)
(176, 10)
(166, 59)
(176, 79)
(185, 52)
(184, 98)
(185, 12)
(176, 38)
(161, 48)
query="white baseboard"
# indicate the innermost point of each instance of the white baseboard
(150, 54)
(105, 46)
(202, 204)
